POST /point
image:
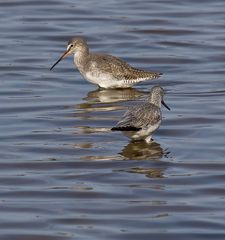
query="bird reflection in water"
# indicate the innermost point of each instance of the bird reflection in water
(113, 95)
(101, 101)
(140, 150)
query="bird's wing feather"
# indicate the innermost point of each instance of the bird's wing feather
(138, 117)
(120, 69)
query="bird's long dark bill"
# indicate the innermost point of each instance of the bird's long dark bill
(66, 53)
(164, 104)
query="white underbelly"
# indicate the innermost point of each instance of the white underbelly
(143, 133)
(106, 81)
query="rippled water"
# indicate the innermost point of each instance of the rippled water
(63, 173)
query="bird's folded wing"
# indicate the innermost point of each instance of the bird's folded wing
(138, 117)
(119, 69)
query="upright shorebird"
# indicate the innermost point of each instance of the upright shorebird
(140, 121)
(106, 71)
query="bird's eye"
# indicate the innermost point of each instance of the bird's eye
(71, 45)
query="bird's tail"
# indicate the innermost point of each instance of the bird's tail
(127, 128)
(153, 75)
(143, 75)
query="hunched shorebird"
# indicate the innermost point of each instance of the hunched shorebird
(140, 121)
(104, 70)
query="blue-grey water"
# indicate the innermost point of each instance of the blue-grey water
(63, 174)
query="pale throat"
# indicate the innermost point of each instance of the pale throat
(80, 58)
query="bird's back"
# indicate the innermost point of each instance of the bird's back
(118, 68)
(140, 116)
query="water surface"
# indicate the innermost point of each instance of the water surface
(63, 174)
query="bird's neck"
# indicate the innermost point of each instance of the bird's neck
(155, 100)
(80, 57)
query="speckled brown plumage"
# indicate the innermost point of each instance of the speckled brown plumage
(141, 120)
(105, 70)
(139, 117)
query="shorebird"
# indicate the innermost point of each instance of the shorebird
(104, 70)
(140, 121)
